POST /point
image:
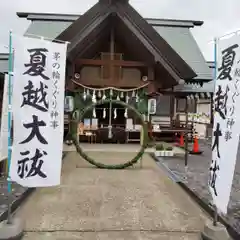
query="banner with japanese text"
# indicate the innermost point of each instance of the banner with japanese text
(226, 127)
(38, 112)
(4, 122)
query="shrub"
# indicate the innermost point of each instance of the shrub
(159, 147)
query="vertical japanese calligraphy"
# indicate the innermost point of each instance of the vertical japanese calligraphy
(37, 149)
(226, 127)
(55, 79)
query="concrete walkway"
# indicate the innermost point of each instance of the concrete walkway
(111, 204)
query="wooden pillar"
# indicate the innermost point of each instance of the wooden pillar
(186, 133)
(151, 79)
(172, 98)
(112, 49)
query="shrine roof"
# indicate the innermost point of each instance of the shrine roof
(207, 87)
(175, 32)
(74, 17)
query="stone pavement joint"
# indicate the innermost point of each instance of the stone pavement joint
(103, 204)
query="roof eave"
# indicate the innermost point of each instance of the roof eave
(73, 17)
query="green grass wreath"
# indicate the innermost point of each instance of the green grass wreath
(118, 166)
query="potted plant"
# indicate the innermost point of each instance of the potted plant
(159, 150)
(169, 151)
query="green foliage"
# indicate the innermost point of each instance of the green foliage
(159, 147)
(119, 166)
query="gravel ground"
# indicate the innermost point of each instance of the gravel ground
(196, 178)
(5, 198)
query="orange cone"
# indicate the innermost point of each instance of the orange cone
(181, 141)
(195, 149)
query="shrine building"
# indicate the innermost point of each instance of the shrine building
(114, 52)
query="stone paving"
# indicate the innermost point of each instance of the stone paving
(136, 203)
(197, 179)
(17, 193)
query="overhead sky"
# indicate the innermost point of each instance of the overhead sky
(219, 16)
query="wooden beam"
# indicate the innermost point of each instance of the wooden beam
(99, 62)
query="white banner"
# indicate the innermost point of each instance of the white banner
(38, 112)
(4, 122)
(226, 122)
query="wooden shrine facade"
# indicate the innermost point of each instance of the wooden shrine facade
(111, 45)
(119, 49)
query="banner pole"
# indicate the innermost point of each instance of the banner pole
(215, 217)
(215, 61)
(10, 72)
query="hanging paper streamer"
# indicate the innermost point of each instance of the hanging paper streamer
(111, 92)
(104, 96)
(94, 113)
(99, 94)
(127, 99)
(84, 94)
(126, 110)
(137, 98)
(133, 94)
(122, 95)
(118, 98)
(115, 113)
(87, 92)
(126, 113)
(94, 97)
(104, 113)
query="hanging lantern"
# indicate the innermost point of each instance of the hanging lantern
(68, 104)
(133, 94)
(115, 113)
(122, 95)
(118, 98)
(104, 113)
(152, 106)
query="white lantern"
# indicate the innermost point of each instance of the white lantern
(68, 104)
(152, 106)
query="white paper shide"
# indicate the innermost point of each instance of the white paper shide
(226, 127)
(38, 105)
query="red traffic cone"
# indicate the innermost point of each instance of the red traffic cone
(195, 149)
(181, 141)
